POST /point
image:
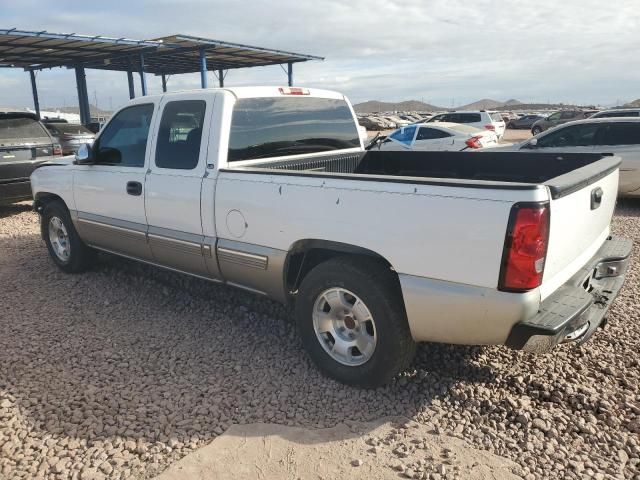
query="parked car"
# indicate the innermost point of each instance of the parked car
(524, 122)
(617, 112)
(441, 136)
(481, 119)
(620, 136)
(70, 136)
(24, 144)
(374, 250)
(558, 118)
(397, 121)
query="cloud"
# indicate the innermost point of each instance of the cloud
(437, 50)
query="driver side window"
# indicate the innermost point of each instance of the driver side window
(124, 141)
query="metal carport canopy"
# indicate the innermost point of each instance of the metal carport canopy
(164, 56)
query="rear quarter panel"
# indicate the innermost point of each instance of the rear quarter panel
(447, 233)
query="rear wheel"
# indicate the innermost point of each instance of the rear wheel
(66, 248)
(352, 321)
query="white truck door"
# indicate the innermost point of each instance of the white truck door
(174, 182)
(109, 194)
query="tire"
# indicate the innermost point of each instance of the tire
(536, 131)
(61, 236)
(359, 280)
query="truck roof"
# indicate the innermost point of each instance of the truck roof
(260, 91)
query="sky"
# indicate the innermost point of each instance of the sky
(444, 52)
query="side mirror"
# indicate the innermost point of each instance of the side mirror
(533, 143)
(84, 155)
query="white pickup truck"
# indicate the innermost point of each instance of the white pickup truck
(269, 189)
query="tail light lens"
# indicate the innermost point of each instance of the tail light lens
(490, 126)
(474, 142)
(57, 149)
(525, 247)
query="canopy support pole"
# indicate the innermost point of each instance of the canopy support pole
(290, 73)
(143, 79)
(203, 68)
(34, 90)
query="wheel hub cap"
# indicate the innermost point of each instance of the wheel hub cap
(59, 239)
(344, 326)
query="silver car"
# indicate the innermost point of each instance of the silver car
(70, 136)
(620, 136)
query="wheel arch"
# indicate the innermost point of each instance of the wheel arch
(42, 199)
(306, 254)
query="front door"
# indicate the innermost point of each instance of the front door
(174, 183)
(110, 193)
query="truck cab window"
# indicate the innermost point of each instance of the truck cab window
(124, 141)
(179, 135)
(282, 126)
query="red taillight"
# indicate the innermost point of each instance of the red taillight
(525, 247)
(57, 149)
(474, 142)
(294, 91)
(490, 126)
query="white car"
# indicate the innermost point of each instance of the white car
(441, 136)
(270, 190)
(617, 135)
(482, 119)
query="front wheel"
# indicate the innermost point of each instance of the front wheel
(66, 248)
(536, 130)
(352, 321)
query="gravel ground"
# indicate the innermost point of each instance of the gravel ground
(121, 371)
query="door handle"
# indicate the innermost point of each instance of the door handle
(134, 188)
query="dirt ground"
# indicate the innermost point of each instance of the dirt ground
(387, 450)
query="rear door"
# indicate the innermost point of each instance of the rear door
(109, 194)
(431, 139)
(622, 139)
(174, 182)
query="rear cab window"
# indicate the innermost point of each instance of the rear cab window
(282, 126)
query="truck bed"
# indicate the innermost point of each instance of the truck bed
(562, 173)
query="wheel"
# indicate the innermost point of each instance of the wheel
(536, 130)
(65, 246)
(353, 323)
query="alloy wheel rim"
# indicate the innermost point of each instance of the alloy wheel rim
(344, 326)
(59, 239)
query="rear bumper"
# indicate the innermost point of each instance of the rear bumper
(17, 191)
(578, 308)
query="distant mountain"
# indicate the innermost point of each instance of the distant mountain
(486, 104)
(512, 101)
(373, 106)
(634, 104)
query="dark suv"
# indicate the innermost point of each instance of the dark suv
(558, 118)
(24, 144)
